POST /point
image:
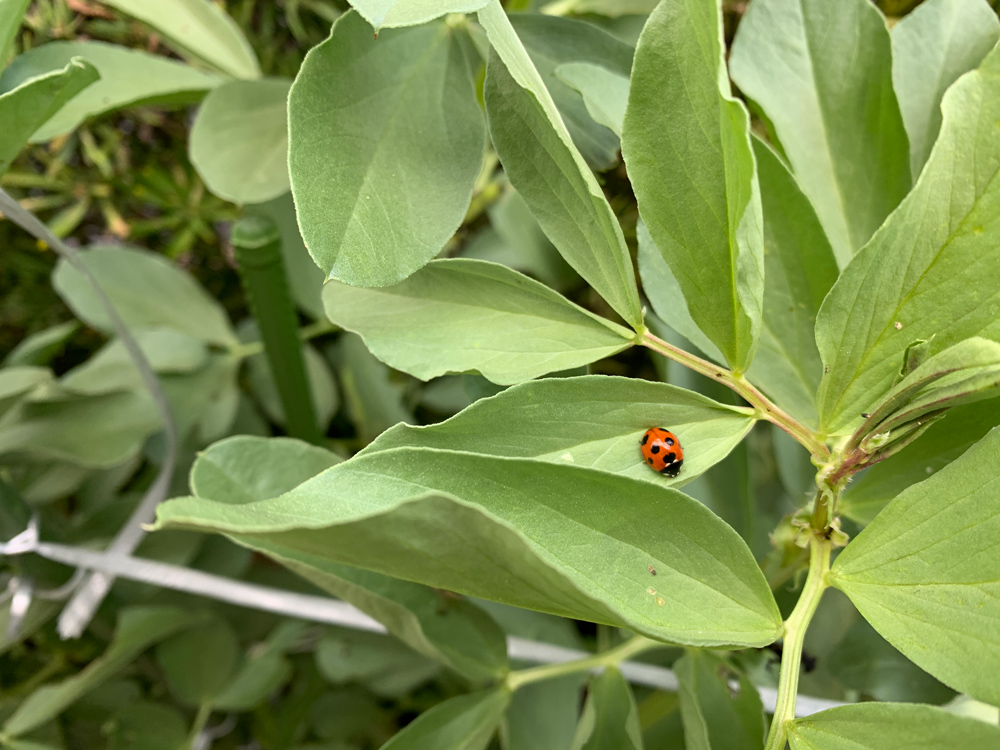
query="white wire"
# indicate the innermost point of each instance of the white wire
(331, 611)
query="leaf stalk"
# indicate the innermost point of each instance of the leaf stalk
(612, 658)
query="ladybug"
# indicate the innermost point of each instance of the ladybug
(662, 451)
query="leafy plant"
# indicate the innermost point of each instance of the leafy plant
(823, 273)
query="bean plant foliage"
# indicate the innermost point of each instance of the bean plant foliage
(484, 247)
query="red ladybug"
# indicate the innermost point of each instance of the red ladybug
(662, 451)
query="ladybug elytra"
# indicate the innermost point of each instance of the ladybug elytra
(662, 451)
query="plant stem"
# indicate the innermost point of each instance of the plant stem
(764, 408)
(200, 720)
(612, 658)
(306, 332)
(795, 633)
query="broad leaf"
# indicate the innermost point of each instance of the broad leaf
(199, 27)
(38, 349)
(939, 446)
(931, 47)
(94, 431)
(610, 720)
(553, 42)
(865, 662)
(822, 72)
(11, 18)
(613, 8)
(890, 726)
(925, 572)
(138, 628)
(541, 161)
(242, 470)
(374, 401)
(694, 175)
(666, 296)
(465, 315)
(543, 715)
(15, 382)
(498, 528)
(463, 723)
(800, 269)
(595, 421)
(388, 13)
(604, 92)
(383, 170)
(199, 662)
(144, 725)
(715, 716)
(25, 106)
(239, 141)
(931, 271)
(147, 290)
(380, 663)
(127, 77)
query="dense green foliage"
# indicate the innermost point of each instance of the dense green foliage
(383, 295)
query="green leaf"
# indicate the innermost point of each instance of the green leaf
(553, 41)
(260, 676)
(39, 348)
(382, 664)
(543, 715)
(594, 421)
(470, 316)
(931, 47)
(610, 720)
(305, 278)
(943, 442)
(519, 242)
(715, 716)
(541, 161)
(138, 628)
(931, 270)
(463, 723)
(239, 140)
(27, 105)
(604, 92)
(865, 662)
(15, 382)
(11, 18)
(93, 431)
(925, 574)
(823, 75)
(890, 726)
(325, 398)
(241, 470)
(112, 368)
(800, 269)
(612, 8)
(199, 662)
(200, 28)
(374, 402)
(144, 725)
(382, 14)
(366, 139)
(694, 175)
(127, 77)
(666, 297)
(147, 290)
(522, 532)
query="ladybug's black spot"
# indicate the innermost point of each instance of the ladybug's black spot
(670, 443)
(672, 469)
(655, 449)
(663, 429)
(649, 461)
(670, 457)
(644, 439)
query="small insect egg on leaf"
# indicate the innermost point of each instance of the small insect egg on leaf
(898, 326)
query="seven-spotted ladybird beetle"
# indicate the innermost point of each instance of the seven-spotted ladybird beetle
(662, 451)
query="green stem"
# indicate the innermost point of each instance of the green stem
(764, 408)
(307, 332)
(257, 243)
(612, 658)
(795, 633)
(200, 720)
